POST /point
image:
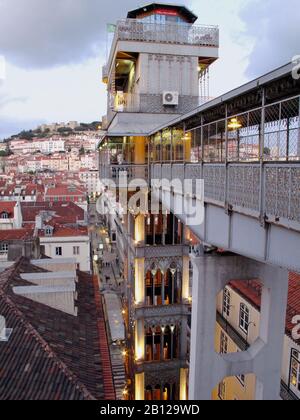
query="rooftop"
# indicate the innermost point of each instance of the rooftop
(65, 213)
(60, 231)
(16, 234)
(183, 10)
(52, 355)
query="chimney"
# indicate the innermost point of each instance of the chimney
(18, 219)
(39, 221)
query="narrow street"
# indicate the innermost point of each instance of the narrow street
(104, 261)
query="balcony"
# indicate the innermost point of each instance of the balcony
(112, 172)
(153, 103)
(169, 33)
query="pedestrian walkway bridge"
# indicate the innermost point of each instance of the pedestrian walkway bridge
(246, 147)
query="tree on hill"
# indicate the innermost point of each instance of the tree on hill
(5, 153)
(65, 130)
(26, 135)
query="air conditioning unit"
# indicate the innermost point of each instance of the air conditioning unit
(171, 98)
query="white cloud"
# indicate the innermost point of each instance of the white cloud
(274, 28)
(47, 33)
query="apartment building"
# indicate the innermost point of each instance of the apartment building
(150, 81)
(16, 243)
(238, 323)
(91, 181)
(45, 146)
(59, 241)
(66, 193)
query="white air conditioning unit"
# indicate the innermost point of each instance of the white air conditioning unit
(171, 98)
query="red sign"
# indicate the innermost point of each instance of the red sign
(167, 12)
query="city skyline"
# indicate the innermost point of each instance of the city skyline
(63, 67)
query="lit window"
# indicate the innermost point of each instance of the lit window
(223, 343)
(244, 318)
(226, 302)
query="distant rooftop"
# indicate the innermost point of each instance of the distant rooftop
(183, 10)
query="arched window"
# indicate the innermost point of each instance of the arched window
(149, 288)
(158, 288)
(167, 392)
(167, 343)
(149, 345)
(157, 343)
(4, 215)
(157, 393)
(168, 288)
(149, 393)
(244, 318)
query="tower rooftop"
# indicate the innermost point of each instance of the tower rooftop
(166, 8)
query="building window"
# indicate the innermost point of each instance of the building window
(222, 391)
(226, 302)
(295, 371)
(76, 250)
(49, 231)
(242, 380)
(4, 215)
(3, 248)
(223, 343)
(244, 318)
(58, 251)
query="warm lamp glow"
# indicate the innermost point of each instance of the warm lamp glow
(234, 124)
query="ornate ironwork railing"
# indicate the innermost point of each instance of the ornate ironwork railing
(183, 34)
(267, 191)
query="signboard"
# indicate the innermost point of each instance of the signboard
(167, 12)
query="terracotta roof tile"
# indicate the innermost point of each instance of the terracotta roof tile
(16, 234)
(51, 355)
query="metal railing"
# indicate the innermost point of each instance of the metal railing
(268, 191)
(153, 103)
(132, 171)
(170, 33)
(269, 133)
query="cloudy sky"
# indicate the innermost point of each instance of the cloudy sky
(54, 51)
